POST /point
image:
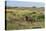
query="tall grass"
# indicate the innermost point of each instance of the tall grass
(16, 19)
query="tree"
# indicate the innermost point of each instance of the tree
(33, 7)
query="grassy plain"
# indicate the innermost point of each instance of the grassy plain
(15, 18)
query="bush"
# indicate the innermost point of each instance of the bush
(41, 16)
(33, 12)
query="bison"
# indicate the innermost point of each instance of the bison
(28, 18)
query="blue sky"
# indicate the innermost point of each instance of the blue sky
(24, 4)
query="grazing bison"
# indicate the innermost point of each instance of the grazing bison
(28, 18)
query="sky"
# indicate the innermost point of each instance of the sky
(24, 4)
(28, 0)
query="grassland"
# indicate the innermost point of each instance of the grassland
(15, 18)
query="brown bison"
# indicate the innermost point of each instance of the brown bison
(29, 18)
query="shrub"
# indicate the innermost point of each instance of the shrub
(33, 12)
(41, 16)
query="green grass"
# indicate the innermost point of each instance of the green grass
(24, 25)
(15, 17)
